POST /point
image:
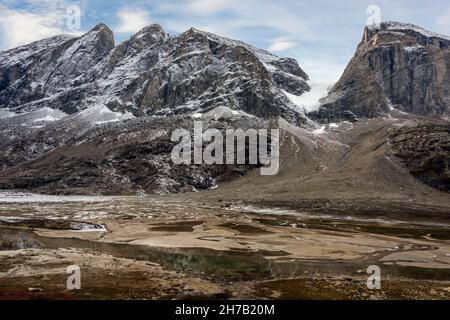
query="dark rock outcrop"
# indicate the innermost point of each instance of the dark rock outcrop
(425, 150)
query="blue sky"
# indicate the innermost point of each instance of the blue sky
(322, 34)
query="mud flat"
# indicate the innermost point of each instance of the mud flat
(171, 248)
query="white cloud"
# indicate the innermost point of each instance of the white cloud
(19, 27)
(281, 44)
(131, 20)
(207, 7)
(444, 19)
(241, 15)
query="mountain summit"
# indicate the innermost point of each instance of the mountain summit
(397, 67)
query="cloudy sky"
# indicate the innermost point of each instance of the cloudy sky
(322, 34)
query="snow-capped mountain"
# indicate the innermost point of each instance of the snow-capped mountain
(151, 74)
(83, 115)
(397, 68)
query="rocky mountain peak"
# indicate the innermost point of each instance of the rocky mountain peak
(410, 29)
(101, 27)
(100, 38)
(396, 68)
(408, 34)
(150, 35)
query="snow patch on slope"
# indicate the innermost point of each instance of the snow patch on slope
(4, 114)
(99, 114)
(20, 197)
(48, 115)
(413, 48)
(310, 101)
(40, 115)
(223, 113)
(319, 131)
(333, 127)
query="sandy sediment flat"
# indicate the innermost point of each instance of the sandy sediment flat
(165, 248)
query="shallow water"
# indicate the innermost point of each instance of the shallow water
(225, 244)
(212, 264)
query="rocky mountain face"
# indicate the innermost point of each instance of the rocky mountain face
(122, 157)
(396, 67)
(85, 116)
(152, 74)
